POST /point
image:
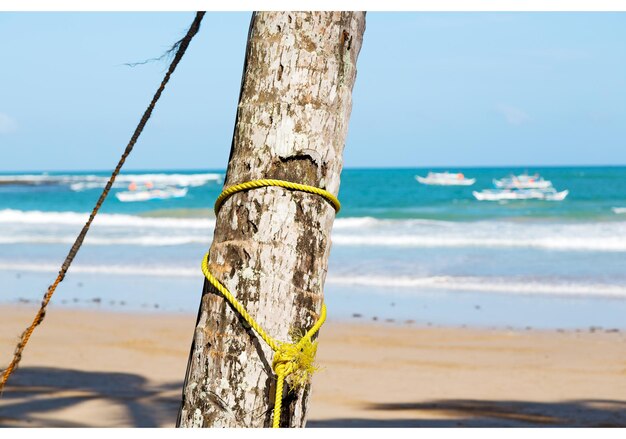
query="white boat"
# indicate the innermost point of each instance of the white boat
(445, 179)
(520, 194)
(151, 194)
(523, 181)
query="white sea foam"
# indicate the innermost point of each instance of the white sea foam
(355, 223)
(143, 241)
(165, 271)
(35, 217)
(564, 236)
(118, 229)
(83, 182)
(374, 284)
(560, 243)
(483, 284)
(619, 210)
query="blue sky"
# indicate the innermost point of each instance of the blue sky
(433, 89)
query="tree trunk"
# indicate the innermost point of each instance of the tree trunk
(271, 245)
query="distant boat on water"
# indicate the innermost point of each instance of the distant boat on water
(445, 179)
(521, 187)
(523, 181)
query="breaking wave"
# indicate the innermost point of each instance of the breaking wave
(84, 182)
(121, 229)
(484, 284)
(35, 217)
(377, 284)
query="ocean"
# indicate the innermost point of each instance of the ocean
(403, 252)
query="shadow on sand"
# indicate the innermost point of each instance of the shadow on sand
(33, 392)
(485, 413)
(36, 394)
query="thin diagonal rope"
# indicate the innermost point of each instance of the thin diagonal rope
(19, 349)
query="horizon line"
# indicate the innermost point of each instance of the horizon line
(350, 168)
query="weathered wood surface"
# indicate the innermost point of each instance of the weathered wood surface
(271, 245)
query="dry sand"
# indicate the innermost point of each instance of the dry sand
(89, 368)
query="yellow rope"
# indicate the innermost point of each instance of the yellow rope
(290, 359)
(254, 184)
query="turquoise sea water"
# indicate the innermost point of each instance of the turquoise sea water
(377, 193)
(401, 250)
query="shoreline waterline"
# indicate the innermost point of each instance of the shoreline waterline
(441, 308)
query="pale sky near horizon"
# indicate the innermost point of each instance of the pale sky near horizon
(433, 89)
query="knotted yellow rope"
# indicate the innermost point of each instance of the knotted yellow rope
(290, 359)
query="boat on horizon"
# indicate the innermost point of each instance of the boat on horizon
(445, 179)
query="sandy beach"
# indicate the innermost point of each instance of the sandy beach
(105, 369)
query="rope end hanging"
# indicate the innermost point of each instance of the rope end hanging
(296, 361)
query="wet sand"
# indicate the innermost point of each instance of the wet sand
(105, 369)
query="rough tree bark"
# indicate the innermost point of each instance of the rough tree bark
(271, 245)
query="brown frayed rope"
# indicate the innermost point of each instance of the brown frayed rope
(19, 349)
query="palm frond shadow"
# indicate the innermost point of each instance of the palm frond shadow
(490, 413)
(36, 391)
